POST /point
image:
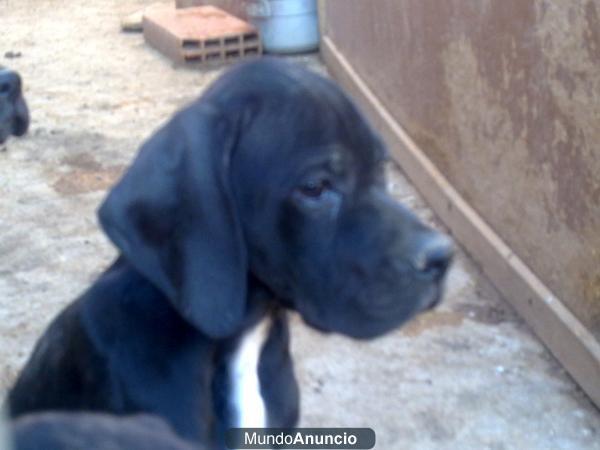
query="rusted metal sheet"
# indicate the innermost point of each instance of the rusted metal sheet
(570, 342)
(503, 97)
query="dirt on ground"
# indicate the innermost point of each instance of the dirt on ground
(469, 375)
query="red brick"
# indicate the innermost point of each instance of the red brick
(201, 34)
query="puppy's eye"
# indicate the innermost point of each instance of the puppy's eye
(314, 189)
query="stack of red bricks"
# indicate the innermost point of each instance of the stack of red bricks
(200, 34)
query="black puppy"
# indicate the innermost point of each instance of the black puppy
(266, 193)
(87, 431)
(14, 115)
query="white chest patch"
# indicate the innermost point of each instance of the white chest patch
(248, 403)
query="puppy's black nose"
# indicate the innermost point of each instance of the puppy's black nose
(434, 256)
(10, 84)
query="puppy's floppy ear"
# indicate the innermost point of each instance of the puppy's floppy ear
(21, 121)
(173, 217)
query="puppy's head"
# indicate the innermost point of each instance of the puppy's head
(14, 115)
(274, 174)
(321, 229)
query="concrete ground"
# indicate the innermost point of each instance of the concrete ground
(468, 376)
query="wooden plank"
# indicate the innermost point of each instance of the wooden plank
(570, 342)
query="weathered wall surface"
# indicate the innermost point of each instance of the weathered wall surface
(504, 97)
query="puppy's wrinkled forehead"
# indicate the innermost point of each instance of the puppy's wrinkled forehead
(291, 109)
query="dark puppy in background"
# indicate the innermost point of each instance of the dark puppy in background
(14, 115)
(266, 194)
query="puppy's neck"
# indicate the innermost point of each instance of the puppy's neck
(247, 403)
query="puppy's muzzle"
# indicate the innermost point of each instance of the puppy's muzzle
(431, 262)
(434, 258)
